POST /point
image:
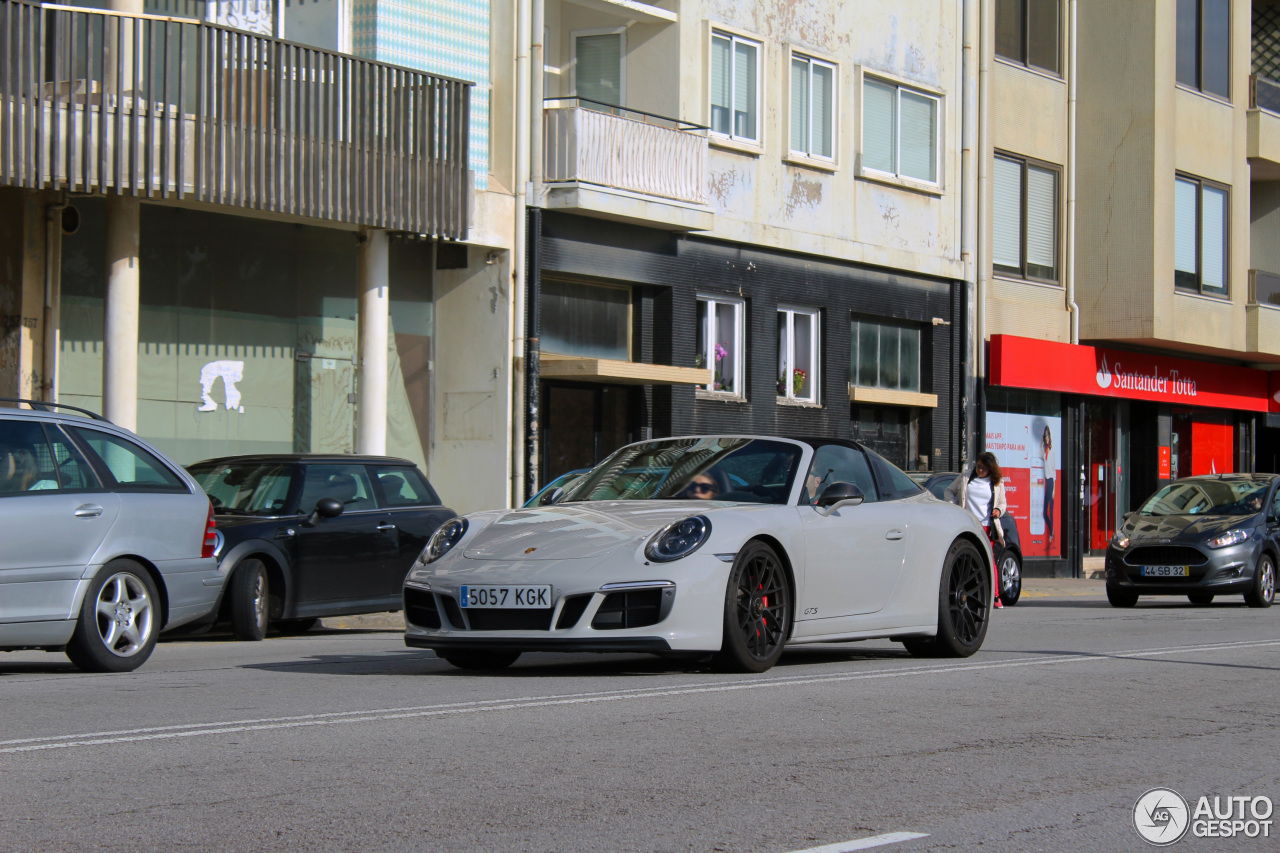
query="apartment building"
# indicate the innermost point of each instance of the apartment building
(252, 226)
(1127, 302)
(745, 217)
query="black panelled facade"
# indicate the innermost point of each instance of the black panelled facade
(667, 272)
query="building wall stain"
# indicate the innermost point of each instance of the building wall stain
(805, 194)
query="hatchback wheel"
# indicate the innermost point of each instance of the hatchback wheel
(119, 620)
(1200, 598)
(249, 600)
(1121, 597)
(1263, 591)
(1010, 579)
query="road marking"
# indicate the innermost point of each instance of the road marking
(481, 706)
(866, 843)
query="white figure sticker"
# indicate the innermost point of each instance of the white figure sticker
(230, 372)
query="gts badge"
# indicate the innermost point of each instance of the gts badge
(811, 611)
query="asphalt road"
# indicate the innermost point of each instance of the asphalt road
(343, 739)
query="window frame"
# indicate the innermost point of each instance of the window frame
(815, 355)
(833, 117)
(896, 176)
(1197, 288)
(1198, 86)
(79, 435)
(739, 342)
(630, 322)
(734, 39)
(1023, 271)
(621, 32)
(1024, 61)
(855, 361)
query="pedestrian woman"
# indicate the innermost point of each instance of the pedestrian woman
(980, 489)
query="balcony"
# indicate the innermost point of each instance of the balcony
(626, 165)
(1263, 145)
(157, 107)
(1262, 313)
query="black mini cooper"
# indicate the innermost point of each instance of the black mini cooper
(1200, 537)
(306, 536)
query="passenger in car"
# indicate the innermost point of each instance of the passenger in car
(19, 473)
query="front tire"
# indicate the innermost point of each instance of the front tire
(293, 627)
(1010, 578)
(1121, 597)
(249, 599)
(119, 620)
(1200, 598)
(964, 605)
(1263, 591)
(478, 659)
(757, 611)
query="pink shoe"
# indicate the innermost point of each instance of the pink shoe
(999, 604)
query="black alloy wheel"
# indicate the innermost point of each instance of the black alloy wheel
(757, 611)
(964, 605)
(1263, 591)
(478, 659)
(249, 594)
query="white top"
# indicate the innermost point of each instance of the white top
(978, 500)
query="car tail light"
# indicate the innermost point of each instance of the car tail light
(210, 543)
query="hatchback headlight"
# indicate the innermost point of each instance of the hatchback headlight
(679, 539)
(443, 540)
(1231, 537)
(1120, 540)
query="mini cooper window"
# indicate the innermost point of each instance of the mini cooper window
(402, 486)
(1209, 496)
(348, 484)
(245, 488)
(729, 469)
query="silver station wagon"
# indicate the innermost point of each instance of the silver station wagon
(104, 542)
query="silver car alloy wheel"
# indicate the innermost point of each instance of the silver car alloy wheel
(1009, 574)
(125, 614)
(1268, 585)
(260, 599)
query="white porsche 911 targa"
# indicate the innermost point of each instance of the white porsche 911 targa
(733, 546)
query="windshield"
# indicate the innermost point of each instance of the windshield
(725, 469)
(1208, 497)
(245, 488)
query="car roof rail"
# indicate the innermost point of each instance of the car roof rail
(47, 406)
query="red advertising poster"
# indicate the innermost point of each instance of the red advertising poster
(1028, 450)
(1165, 467)
(1211, 448)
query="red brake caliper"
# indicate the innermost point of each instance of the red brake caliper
(764, 599)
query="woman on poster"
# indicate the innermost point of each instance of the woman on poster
(1050, 473)
(980, 490)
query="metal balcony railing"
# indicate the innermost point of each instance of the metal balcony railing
(595, 143)
(97, 102)
(1264, 288)
(1264, 93)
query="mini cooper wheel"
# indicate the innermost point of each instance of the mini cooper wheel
(1263, 591)
(249, 600)
(119, 620)
(1200, 598)
(757, 611)
(1120, 597)
(964, 605)
(479, 659)
(1010, 578)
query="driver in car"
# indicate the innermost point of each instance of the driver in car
(706, 485)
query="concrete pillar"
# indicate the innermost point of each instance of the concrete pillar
(371, 412)
(120, 327)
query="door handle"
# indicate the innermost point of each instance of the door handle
(895, 535)
(88, 511)
(383, 528)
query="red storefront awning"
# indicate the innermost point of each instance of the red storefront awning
(1049, 366)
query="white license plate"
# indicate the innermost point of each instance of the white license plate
(1166, 571)
(506, 597)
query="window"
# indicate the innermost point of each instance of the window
(1204, 45)
(735, 87)
(26, 463)
(719, 343)
(884, 355)
(347, 484)
(403, 486)
(1025, 219)
(1200, 236)
(598, 68)
(899, 131)
(812, 107)
(586, 320)
(1027, 32)
(893, 482)
(798, 354)
(836, 463)
(130, 465)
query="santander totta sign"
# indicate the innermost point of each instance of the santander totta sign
(1028, 363)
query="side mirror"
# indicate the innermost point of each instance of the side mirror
(325, 508)
(557, 495)
(836, 495)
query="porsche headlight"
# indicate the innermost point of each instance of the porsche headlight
(1231, 537)
(443, 540)
(679, 539)
(1120, 540)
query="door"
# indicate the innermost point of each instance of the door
(1106, 481)
(581, 425)
(413, 513)
(53, 518)
(343, 558)
(853, 557)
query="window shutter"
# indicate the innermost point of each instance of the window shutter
(799, 105)
(879, 125)
(721, 103)
(1042, 209)
(598, 68)
(744, 90)
(823, 125)
(1184, 226)
(919, 137)
(1214, 230)
(1007, 214)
